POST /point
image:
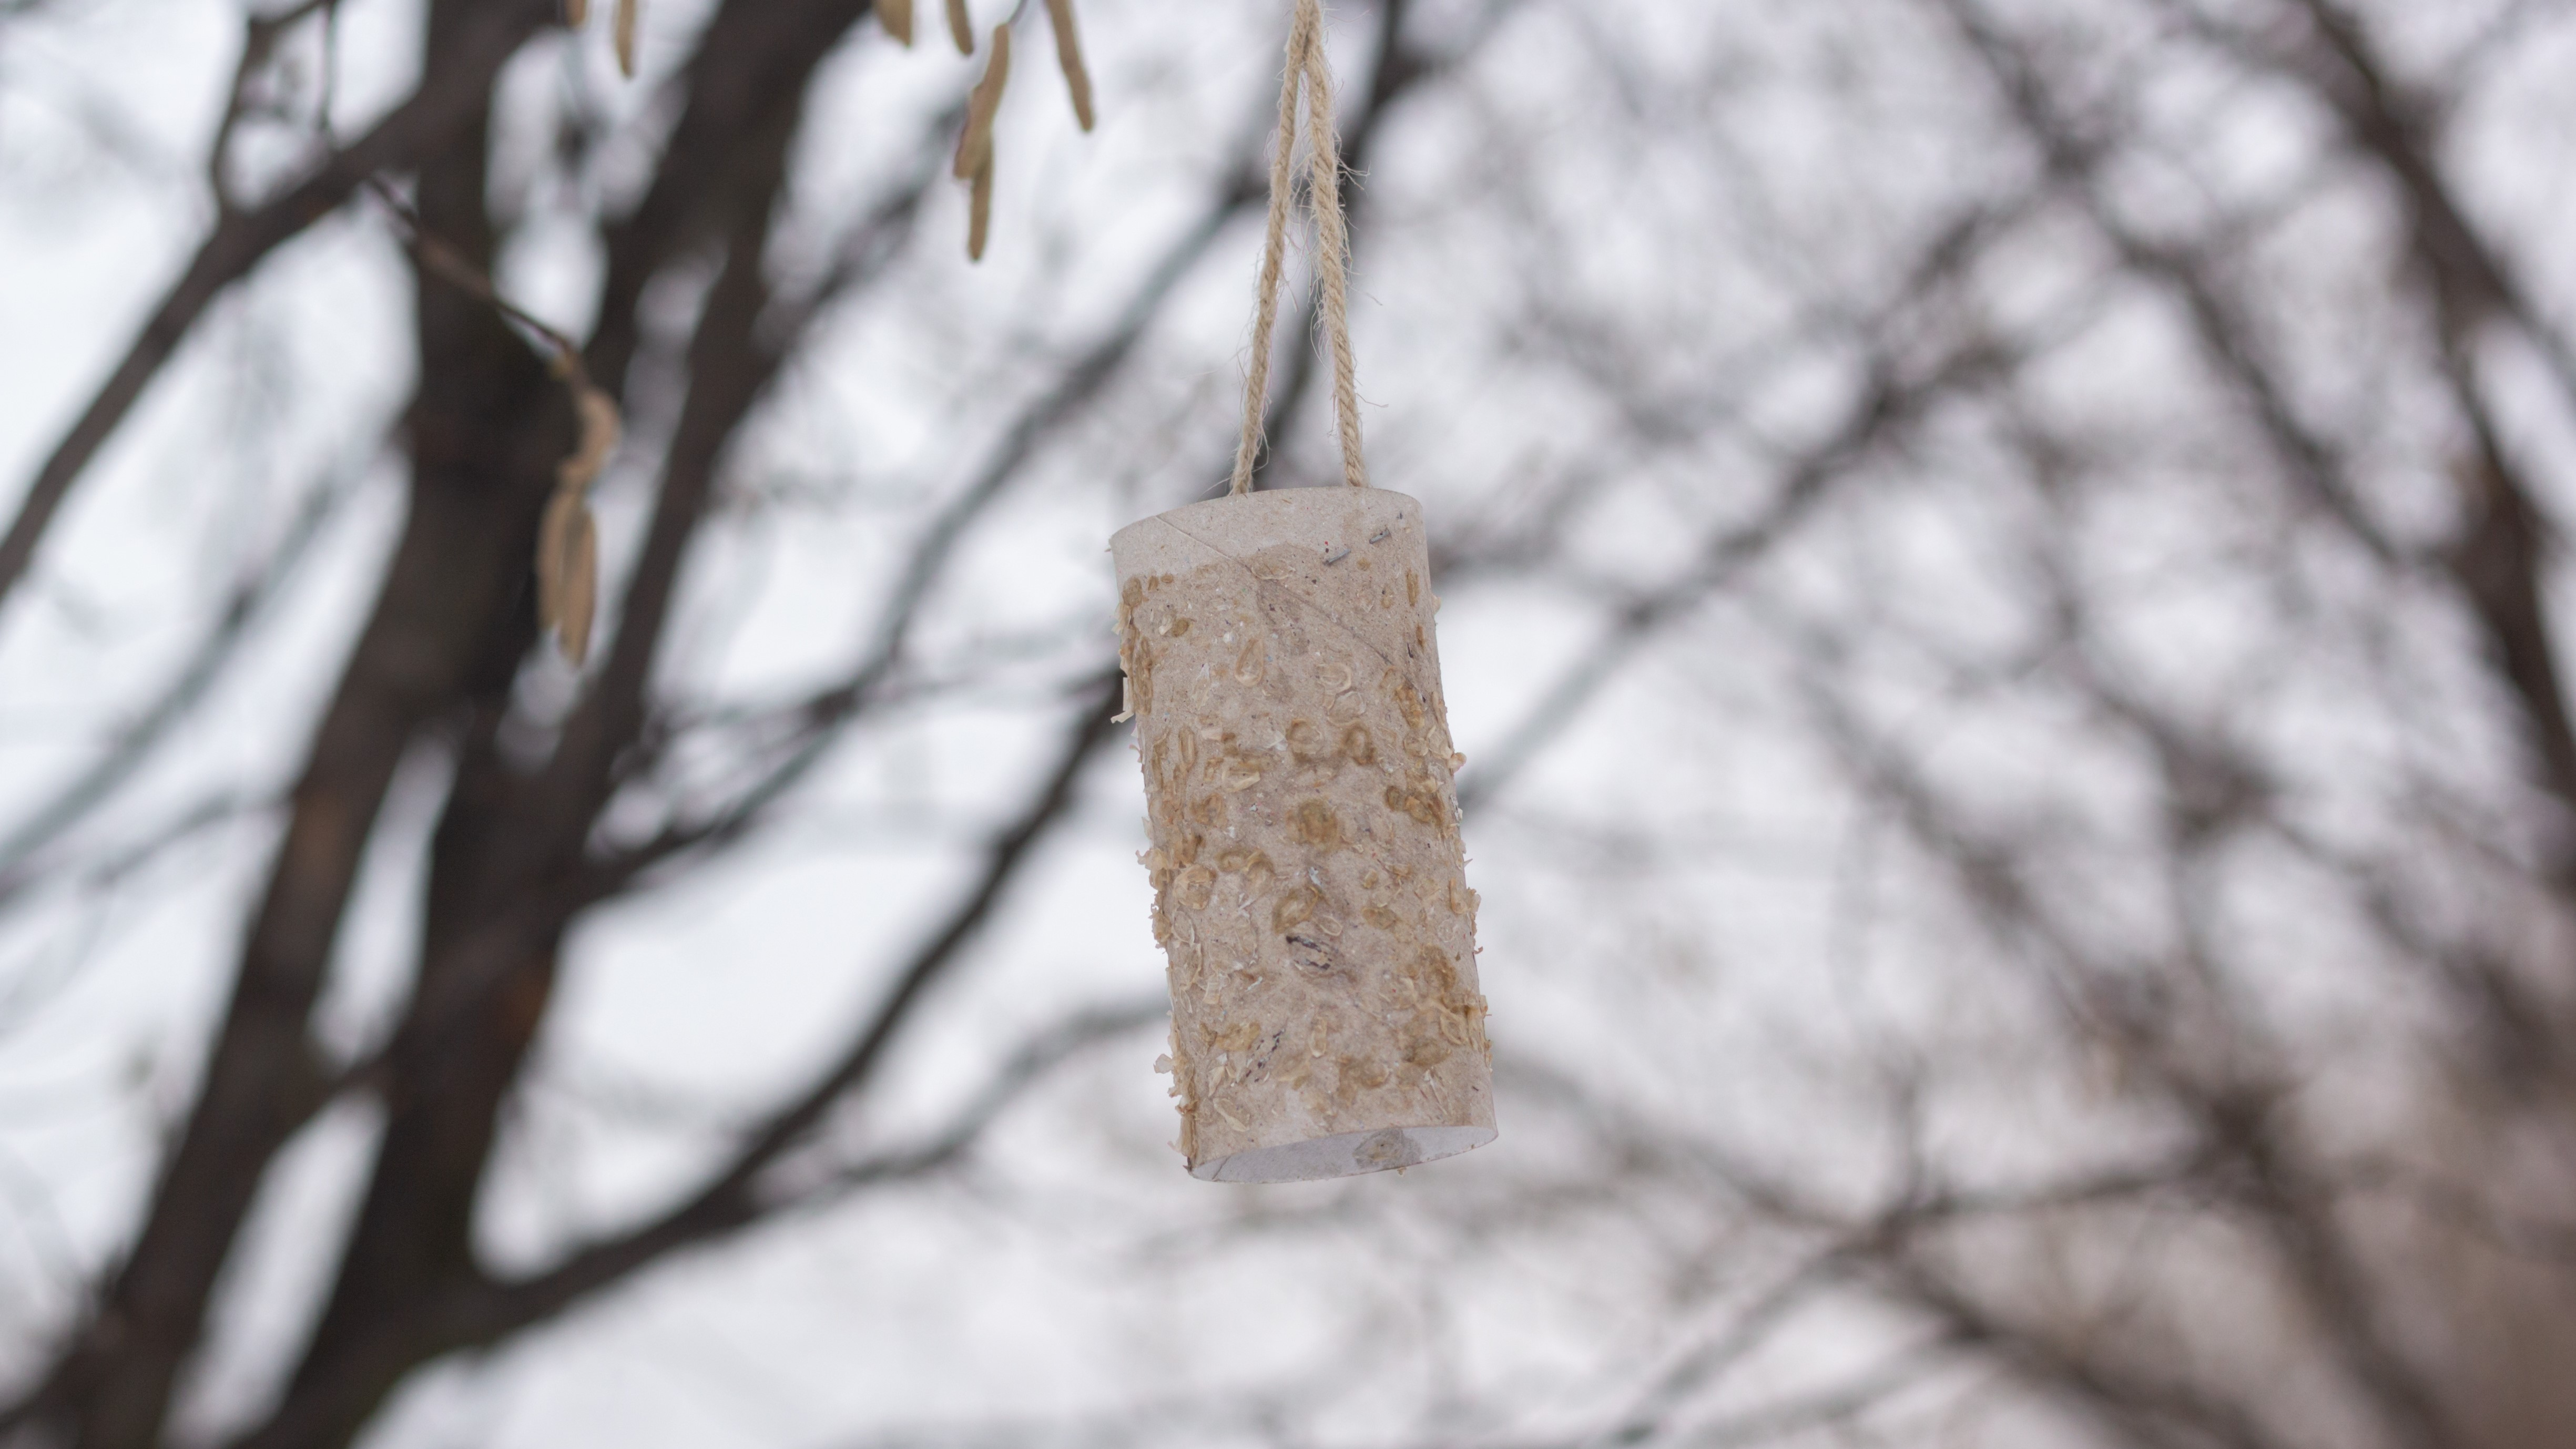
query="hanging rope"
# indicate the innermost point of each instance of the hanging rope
(1306, 69)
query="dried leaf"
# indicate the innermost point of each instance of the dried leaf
(975, 143)
(626, 36)
(896, 17)
(979, 209)
(580, 584)
(1068, 53)
(576, 12)
(960, 28)
(552, 538)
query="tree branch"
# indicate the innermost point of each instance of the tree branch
(453, 95)
(729, 1198)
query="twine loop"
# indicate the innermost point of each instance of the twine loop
(1306, 71)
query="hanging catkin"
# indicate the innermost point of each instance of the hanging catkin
(567, 561)
(974, 163)
(1068, 54)
(624, 32)
(568, 540)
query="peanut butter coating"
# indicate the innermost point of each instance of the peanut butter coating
(1309, 881)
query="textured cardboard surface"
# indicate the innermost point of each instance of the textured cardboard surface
(1309, 883)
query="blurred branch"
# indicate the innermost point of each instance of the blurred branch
(1830, 1408)
(135, 743)
(1024, 1068)
(2213, 785)
(1745, 1331)
(729, 1199)
(1891, 401)
(2074, 160)
(507, 840)
(2497, 564)
(2499, 561)
(2233, 1098)
(816, 722)
(2216, 786)
(745, 83)
(2518, 1042)
(260, 35)
(2149, 1412)
(1879, 1248)
(2394, 127)
(437, 255)
(452, 95)
(2531, 1239)
(477, 1310)
(112, 1377)
(2503, 30)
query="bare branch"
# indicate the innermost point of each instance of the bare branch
(1889, 404)
(135, 743)
(729, 1198)
(452, 97)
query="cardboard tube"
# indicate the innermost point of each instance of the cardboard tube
(1309, 884)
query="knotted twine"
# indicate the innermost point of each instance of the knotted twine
(1306, 70)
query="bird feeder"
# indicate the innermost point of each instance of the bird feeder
(1309, 883)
